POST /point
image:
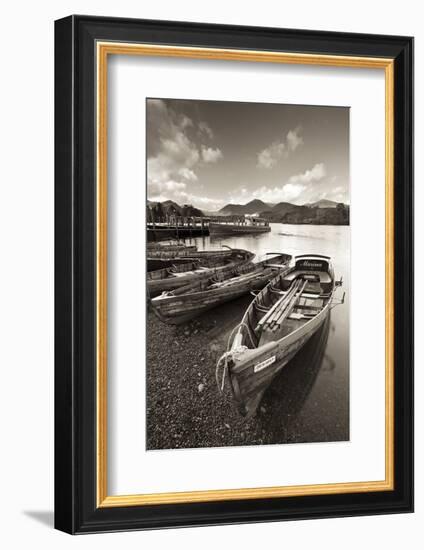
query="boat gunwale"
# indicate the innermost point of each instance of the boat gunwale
(170, 305)
(239, 367)
(246, 321)
(260, 269)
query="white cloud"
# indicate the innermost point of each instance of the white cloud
(176, 156)
(156, 188)
(207, 203)
(187, 174)
(317, 173)
(211, 155)
(300, 189)
(270, 156)
(186, 121)
(178, 152)
(294, 140)
(337, 194)
(205, 129)
(181, 196)
(284, 193)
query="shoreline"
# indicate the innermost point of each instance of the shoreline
(185, 408)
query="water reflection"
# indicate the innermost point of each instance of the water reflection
(290, 389)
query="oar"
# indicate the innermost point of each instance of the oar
(285, 305)
(288, 309)
(265, 319)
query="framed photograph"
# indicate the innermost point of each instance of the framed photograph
(234, 274)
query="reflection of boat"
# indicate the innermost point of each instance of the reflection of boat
(203, 265)
(188, 301)
(291, 387)
(253, 225)
(276, 325)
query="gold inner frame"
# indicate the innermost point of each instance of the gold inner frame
(104, 49)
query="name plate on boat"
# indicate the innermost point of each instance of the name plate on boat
(314, 265)
(264, 364)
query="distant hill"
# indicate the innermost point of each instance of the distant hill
(323, 203)
(253, 207)
(257, 206)
(232, 210)
(159, 211)
(323, 212)
(283, 207)
(317, 215)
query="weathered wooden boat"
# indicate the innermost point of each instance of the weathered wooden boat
(174, 248)
(184, 303)
(161, 255)
(276, 325)
(202, 265)
(252, 225)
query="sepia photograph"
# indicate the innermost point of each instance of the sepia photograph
(248, 273)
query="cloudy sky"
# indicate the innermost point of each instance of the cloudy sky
(211, 153)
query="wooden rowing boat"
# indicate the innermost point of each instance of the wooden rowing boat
(184, 303)
(200, 266)
(276, 325)
(171, 249)
(162, 255)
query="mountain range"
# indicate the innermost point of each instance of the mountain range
(320, 212)
(253, 207)
(257, 206)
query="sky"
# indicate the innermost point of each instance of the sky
(211, 153)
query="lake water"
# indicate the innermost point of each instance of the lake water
(310, 399)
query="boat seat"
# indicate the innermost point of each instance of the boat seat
(275, 291)
(313, 308)
(182, 273)
(296, 316)
(324, 277)
(264, 309)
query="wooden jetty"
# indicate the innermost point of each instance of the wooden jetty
(177, 227)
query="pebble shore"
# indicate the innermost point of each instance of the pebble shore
(185, 408)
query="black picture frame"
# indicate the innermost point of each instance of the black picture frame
(76, 510)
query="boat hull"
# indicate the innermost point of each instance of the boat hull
(251, 375)
(175, 310)
(230, 229)
(154, 264)
(156, 283)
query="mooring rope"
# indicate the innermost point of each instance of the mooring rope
(224, 357)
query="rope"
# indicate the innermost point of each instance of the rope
(227, 353)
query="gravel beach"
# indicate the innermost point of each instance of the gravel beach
(185, 408)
